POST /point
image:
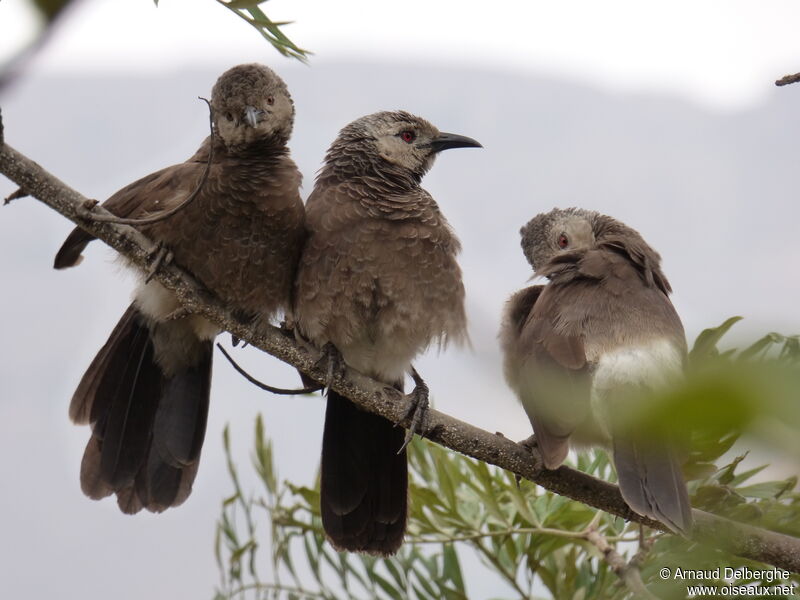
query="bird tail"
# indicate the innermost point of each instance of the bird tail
(147, 425)
(69, 255)
(364, 481)
(652, 483)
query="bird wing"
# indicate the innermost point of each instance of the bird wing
(546, 364)
(146, 196)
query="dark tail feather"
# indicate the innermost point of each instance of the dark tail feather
(147, 429)
(364, 482)
(652, 483)
(69, 254)
(116, 350)
(178, 434)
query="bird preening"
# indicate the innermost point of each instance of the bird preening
(367, 273)
(600, 334)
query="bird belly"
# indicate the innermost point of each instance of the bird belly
(386, 359)
(158, 303)
(636, 369)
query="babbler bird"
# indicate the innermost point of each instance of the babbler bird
(602, 330)
(378, 279)
(146, 392)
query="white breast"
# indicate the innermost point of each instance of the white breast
(649, 366)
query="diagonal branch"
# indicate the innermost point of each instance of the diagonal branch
(743, 540)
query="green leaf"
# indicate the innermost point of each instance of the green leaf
(705, 345)
(768, 489)
(452, 567)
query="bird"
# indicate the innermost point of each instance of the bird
(600, 333)
(146, 393)
(379, 282)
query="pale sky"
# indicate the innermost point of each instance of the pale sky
(722, 53)
(560, 122)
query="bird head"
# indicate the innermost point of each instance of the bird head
(396, 139)
(251, 103)
(558, 231)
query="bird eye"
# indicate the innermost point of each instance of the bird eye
(270, 100)
(229, 116)
(563, 241)
(408, 136)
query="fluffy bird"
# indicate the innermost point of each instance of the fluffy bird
(378, 279)
(146, 393)
(600, 333)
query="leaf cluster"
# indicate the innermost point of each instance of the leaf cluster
(532, 543)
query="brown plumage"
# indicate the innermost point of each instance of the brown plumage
(146, 392)
(378, 278)
(601, 330)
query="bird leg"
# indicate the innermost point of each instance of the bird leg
(332, 363)
(159, 256)
(418, 410)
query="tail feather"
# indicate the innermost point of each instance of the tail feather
(184, 401)
(147, 427)
(92, 483)
(364, 481)
(127, 427)
(85, 397)
(652, 483)
(69, 255)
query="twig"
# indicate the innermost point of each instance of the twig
(262, 385)
(754, 543)
(787, 79)
(628, 573)
(107, 217)
(20, 193)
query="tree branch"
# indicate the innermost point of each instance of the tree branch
(742, 540)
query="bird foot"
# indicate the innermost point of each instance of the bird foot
(332, 363)
(178, 313)
(159, 256)
(418, 411)
(529, 444)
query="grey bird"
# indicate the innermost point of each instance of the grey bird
(378, 279)
(146, 393)
(600, 333)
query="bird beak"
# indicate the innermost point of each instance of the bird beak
(452, 140)
(253, 115)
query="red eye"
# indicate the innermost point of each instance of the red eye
(270, 100)
(563, 242)
(408, 136)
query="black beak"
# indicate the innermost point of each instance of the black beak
(446, 141)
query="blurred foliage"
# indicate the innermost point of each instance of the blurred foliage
(250, 11)
(50, 9)
(533, 543)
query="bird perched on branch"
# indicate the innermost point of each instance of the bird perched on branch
(146, 393)
(378, 279)
(601, 334)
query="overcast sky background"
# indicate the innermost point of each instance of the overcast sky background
(661, 114)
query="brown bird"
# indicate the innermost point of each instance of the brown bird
(146, 393)
(378, 279)
(601, 332)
